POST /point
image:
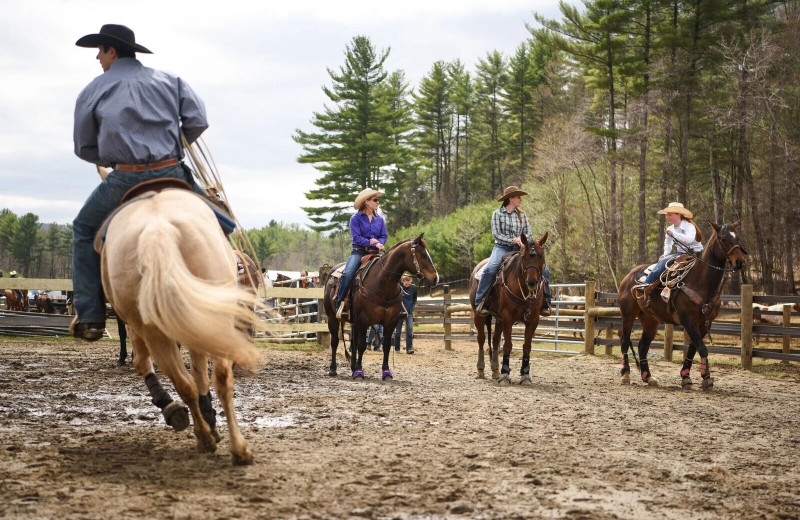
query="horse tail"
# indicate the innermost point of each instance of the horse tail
(488, 322)
(198, 313)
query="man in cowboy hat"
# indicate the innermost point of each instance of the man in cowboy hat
(129, 119)
(509, 222)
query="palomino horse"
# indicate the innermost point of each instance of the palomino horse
(14, 302)
(693, 303)
(517, 296)
(168, 272)
(376, 299)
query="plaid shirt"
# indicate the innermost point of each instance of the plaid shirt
(506, 226)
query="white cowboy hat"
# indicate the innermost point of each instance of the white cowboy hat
(364, 196)
(676, 207)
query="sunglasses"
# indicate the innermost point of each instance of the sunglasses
(375, 200)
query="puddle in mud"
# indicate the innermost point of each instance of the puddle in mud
(283, 421)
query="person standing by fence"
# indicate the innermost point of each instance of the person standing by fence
(409, 296)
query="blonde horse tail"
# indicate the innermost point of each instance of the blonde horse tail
(205, 316)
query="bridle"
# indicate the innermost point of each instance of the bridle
(417, 268)
(523, 274)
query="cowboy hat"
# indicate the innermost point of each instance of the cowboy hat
(113, 35)
(512, 191)
(364, 196)
(676, 207)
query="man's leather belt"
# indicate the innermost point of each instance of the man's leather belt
(144, 167)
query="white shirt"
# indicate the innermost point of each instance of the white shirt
(686, 233)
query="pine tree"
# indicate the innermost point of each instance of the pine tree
(491, 119)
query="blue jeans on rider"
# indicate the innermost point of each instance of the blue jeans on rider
(89, 302)
(409, 322)
(660, 267)
(350, 269)
(490, 271)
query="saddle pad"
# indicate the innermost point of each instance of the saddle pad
(479, 272)
(643, 275)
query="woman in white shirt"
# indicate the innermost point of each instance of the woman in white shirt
(682, 232)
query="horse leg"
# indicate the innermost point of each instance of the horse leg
(505, 371)
(697, 339)
(171, 363)
(223, 383)
(123, 349)
(175, 414)
(200, 374)
(479, 326)
(358, 344)
(333, 326)
(388, 332)
(686, 380)
(649, 328)
(525, 370)
(628, 317)
(494, 339)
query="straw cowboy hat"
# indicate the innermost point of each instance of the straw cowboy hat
(364, 196)
(512, 191)
(113, 35)
(676, 207)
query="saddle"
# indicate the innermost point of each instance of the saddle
(676, 270)
(148, 189)
(335, 277)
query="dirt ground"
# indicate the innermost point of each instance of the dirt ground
(80, 439)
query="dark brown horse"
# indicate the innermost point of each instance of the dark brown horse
(693, 303)
(14, 302)
(376, 299)
(517, 296)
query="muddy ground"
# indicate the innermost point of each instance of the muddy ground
(80, 439)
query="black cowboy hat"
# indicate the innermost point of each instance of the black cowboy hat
(113, 35)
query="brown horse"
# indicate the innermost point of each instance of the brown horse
(693, 303)
(44, 304)
(168, 271)
(517, 296)
(376, 299)
(14, 302)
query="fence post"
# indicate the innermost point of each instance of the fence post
(588, 321)
(787, 322)
(448, 344)
(669, 333)
(747, 326)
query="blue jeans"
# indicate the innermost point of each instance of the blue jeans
(350, 269)
(490, 271)
(375, 330)
(88, 299)
(658, 269)
(409, 321)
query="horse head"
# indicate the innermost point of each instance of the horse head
(418, 261)
(531, 263)
(729, 244)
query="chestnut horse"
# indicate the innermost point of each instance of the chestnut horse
(693, 304)
(376, 299)
(13, 301)
(44, 304)
(517, 296)
(168, 271)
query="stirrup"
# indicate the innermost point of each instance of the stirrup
(341, 311)
(479, 308)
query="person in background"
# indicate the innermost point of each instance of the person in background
(375, 336)
(409, 296)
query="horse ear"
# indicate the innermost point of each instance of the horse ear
(542, 240)
(714, 225)
(524, 239)
(419, 238)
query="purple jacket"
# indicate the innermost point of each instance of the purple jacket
(362, 229)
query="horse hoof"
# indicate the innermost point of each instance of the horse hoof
(495, 375)
(176, 416)
(707, 383)
(651, 381)
(526, 381)
(332, 373)
(216, 435)
(386, 374)
(504, 380)
(686, 382)
(480, 375)
(207, 445)
(244, 459)
(120, 362)
(358, 374)
(625, 379)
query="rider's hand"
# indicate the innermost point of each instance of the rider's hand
(379, 245)
(517, 241)
(373, 241)
(670, 233)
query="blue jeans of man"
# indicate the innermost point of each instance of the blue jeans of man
(409, 322)
(350, 269)
(660, 267)
(490, 271)
(375, 336)
(88, 299)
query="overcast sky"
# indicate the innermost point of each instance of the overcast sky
(258, 66)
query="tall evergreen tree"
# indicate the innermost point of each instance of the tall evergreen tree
(491, 119)
(355, 145)
(463, 98)
(25, 242)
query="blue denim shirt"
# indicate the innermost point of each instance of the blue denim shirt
(363, 229)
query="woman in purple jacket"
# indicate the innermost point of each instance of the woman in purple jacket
(369, 236)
